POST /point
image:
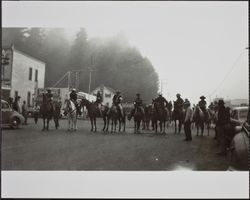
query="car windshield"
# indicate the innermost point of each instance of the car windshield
(243, 114)
(5, 105)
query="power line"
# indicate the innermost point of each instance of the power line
(229, 72)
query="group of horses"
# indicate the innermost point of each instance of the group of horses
(154, 116)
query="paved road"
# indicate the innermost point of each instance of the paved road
(29, 148)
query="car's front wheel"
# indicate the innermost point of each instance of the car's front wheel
(15, 123)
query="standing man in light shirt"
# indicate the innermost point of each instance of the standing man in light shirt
(188, 120)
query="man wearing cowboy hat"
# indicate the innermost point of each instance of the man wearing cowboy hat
(138, 105)
(187, 120)
(203, 106)
(161, 100)
(117, 99)
(179, 102)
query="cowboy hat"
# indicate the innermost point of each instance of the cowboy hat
(178, 94)
(202, 97)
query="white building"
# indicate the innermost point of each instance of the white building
(106, 92)
(22, 76)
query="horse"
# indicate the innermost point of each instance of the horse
(199, 118)
(93, 112)
(138, 118)
(106, 118)
(71, 112)
(56, 113)
(46, 111)
(178, 115)
(161, 114)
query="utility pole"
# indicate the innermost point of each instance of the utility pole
(90, 73)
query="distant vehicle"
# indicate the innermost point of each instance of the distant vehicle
(10, 118)
(239, 147)
(239, 114)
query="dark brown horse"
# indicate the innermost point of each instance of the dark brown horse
(178, 114)
(138, 118)
(93, 112)
(116, 117)
(160, 114)
(56, 113)
(46, 111)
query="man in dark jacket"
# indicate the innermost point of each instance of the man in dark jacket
(49, 95)
(179, 101)
(162, 101)
(223, 126)
(73, 95)
(138, 105)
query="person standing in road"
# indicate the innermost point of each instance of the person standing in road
(223, 127)
(188, 120)
(25, 112)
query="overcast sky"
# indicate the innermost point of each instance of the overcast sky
(192, 45)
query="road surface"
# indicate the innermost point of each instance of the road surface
(29, 148)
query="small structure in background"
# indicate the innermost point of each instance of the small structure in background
(106, 92)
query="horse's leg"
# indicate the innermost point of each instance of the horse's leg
(47, 124)
(91, 119)
(202, 128)
(175, 126)
(95, 124)
(208, 127)
(107, 126)
(197, 128)
(135, 128)
(120, 124)
(138, 125)
(124, 124)
(164, 127)
(104, 121)
(43, 123)
(179, 125)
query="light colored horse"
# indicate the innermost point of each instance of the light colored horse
(71, 112)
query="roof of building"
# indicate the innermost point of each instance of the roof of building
(21, 52)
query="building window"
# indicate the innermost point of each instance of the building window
(30, 74)
(16, 94)
(28, 99)
(36, 75)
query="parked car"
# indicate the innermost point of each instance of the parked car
(239, 114)
(10, 118)
(239, 147)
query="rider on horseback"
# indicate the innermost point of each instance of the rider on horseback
(48, 97)
(117, 102)
(179, 102)
(99, 101)
(203, 104)
(162, 101)
(138, 105)
(73, 98)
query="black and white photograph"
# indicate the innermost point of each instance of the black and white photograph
(109, 86)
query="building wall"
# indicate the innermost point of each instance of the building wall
(20, 75)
